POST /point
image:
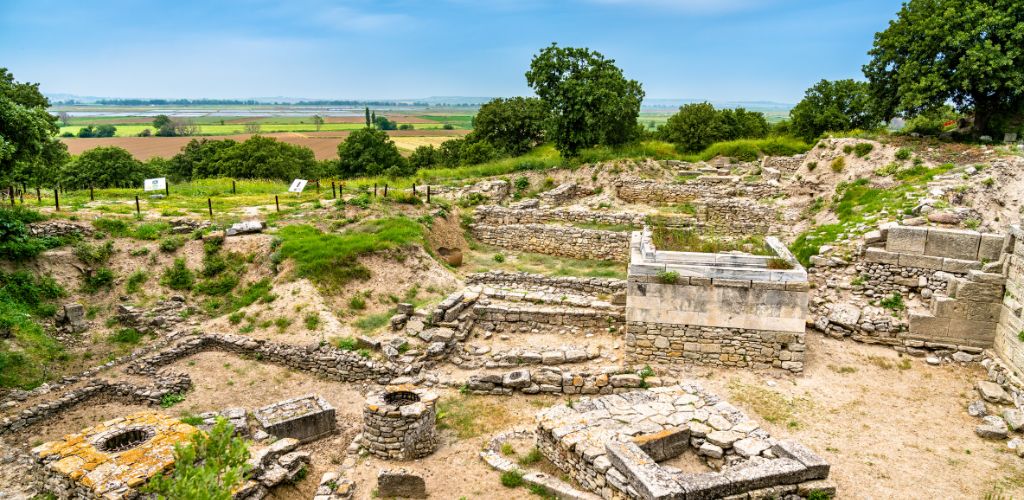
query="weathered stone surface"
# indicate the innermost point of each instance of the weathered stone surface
(952, 243)
(905, 239)
(992, 427)
(1014, 419)
(400, 483)
(992, 392)
(245, 227)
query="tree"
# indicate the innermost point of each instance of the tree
(264, 158)
(589, 100)
(834, 106)
(318, 121)
(252, 128)
(742, 124)
(694, 127)
(450, 152)
(105, 131)
(368, 121)
(160, 121)
(968, 52)
(27, 130)
(208, 467)
(514, 125)
(198, 159)
(104, 167)
(383, 123)
(424, 157)
(370, 151)
(64, 118)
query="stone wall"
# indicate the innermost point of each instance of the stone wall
(1008, 345)
(164, 384)
(323, 360)
(563, 194)
(704, 187)
(667, 343)
(788, 164)
(496, 215)
(966, 315)
(527, 281)
(564, 241)
(525, 319)
(399, 423)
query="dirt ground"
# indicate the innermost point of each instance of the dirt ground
(890, 428)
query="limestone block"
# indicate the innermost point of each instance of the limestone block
(926, 326)
(991, 247)
(983, 277)
(979, 292)
(992, 392)
(972, 333)
(921, 261)
(881, 256)
(907, 239)
(959, 265)
(952, 243)
(816, 465)
(400, 483)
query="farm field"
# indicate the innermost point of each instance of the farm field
(323, 144)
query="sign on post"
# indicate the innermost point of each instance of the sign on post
(297, 186)
(158, 184)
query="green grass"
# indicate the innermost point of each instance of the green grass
(28, 356)
(855, 202)
(129, 336)
(750, 149)
(689, 240)
(331, 260)
(133, 129)
(374, 321)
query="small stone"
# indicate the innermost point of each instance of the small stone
(933, 360)
(977, 409)
(992, 392)
(709, 450)
(400, 483)
(1014, 419)
(992, 427)
(962, 357)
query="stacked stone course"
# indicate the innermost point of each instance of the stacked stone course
(737, 347)
(563, 241)
(703, 187)
(399, 423)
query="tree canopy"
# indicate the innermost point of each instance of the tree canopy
(589, 100)
(208, 467)
(265, 158)
(834, 106)
(696, 126)
(28, 143)
(104, 167)
(513, 125)
(968, 52)
(369, 151)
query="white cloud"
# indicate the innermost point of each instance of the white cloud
(690, 6)
(349, 19)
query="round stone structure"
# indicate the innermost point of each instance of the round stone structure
(399, 422)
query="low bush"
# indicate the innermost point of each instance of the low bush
(98, 280)
(135, 281)
(862, 149)
(668, 277)
(903, 154)
(178, 276)
(129, 336)
(210, 466)
(28, 355)
(512, 478)
(838, 164)
(171, 244)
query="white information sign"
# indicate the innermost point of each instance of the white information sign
(297, 186)
(158, 184)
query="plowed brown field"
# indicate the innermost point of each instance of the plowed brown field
(323, 144)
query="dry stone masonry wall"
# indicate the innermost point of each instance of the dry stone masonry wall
(703, 187)
(563, 241)
(399, 423)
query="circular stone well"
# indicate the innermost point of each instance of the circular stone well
(124, 439)
(399, 422)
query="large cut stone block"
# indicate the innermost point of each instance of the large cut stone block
(907, 239)
(926, 326)
(666, 444)
(979, 292)
(881, 256)
(400, 483)
(921, 261)
(304, 418)
(953, 243)
(649, 479)
(991, 247)
(973, 333)
(817, 467)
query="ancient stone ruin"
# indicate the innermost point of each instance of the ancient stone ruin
(399, 423)
(715, 309)
(305, 418)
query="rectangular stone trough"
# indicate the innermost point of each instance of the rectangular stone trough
(306, 418)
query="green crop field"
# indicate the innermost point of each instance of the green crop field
(130, 130)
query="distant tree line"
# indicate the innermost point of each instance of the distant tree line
(247, 102)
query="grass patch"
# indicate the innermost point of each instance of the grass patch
(331, 260)
(689, 240)
(751, 149)
(770, 405)
(512, 478)
(374, 321)
(28, 355)
(127, 336)
(470, 416)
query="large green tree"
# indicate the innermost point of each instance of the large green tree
(105, 167)
(513, 125)
(589, 100)
(694, 127)
(265, 158)
(198, 159)
(370, 151)
(834, 106)
(29, 149)
(968, 52)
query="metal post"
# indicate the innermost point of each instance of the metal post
(39, 196)
(334, 192)
(209, 204)
(167, 188)
(414, 189)
(233, 186)
(385, 190)
(91, 196)
(138, 210)
(56, 198)
(277, 203)
(374, 189)
(428, 193)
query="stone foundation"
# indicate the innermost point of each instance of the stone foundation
(703, 187)
(736, 347)
(305, 418)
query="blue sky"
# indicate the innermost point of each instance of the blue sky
(723, 50)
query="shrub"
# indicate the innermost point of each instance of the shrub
(236, 317)
(522, 183)
(811, 166)
(94, 255)
(531, 458)
(346, 343)
(218, 286)
(903, 154)
(97, 280)
(135, 281)
(27, 353)
(211, 466)
(357, 303)
(125, 336)
(512, 478)
(668, 277)
(893, 302)
(171, 244)
(847, 149)
(111, 226)
(16, 244)
(888, 170)
(499, 258)
(779, 263)
(312, 321)
(178, 276)
(371, 152)
(838, 164)
(150, 230)
(862, 149)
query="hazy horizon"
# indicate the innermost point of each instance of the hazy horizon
(726, 50)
